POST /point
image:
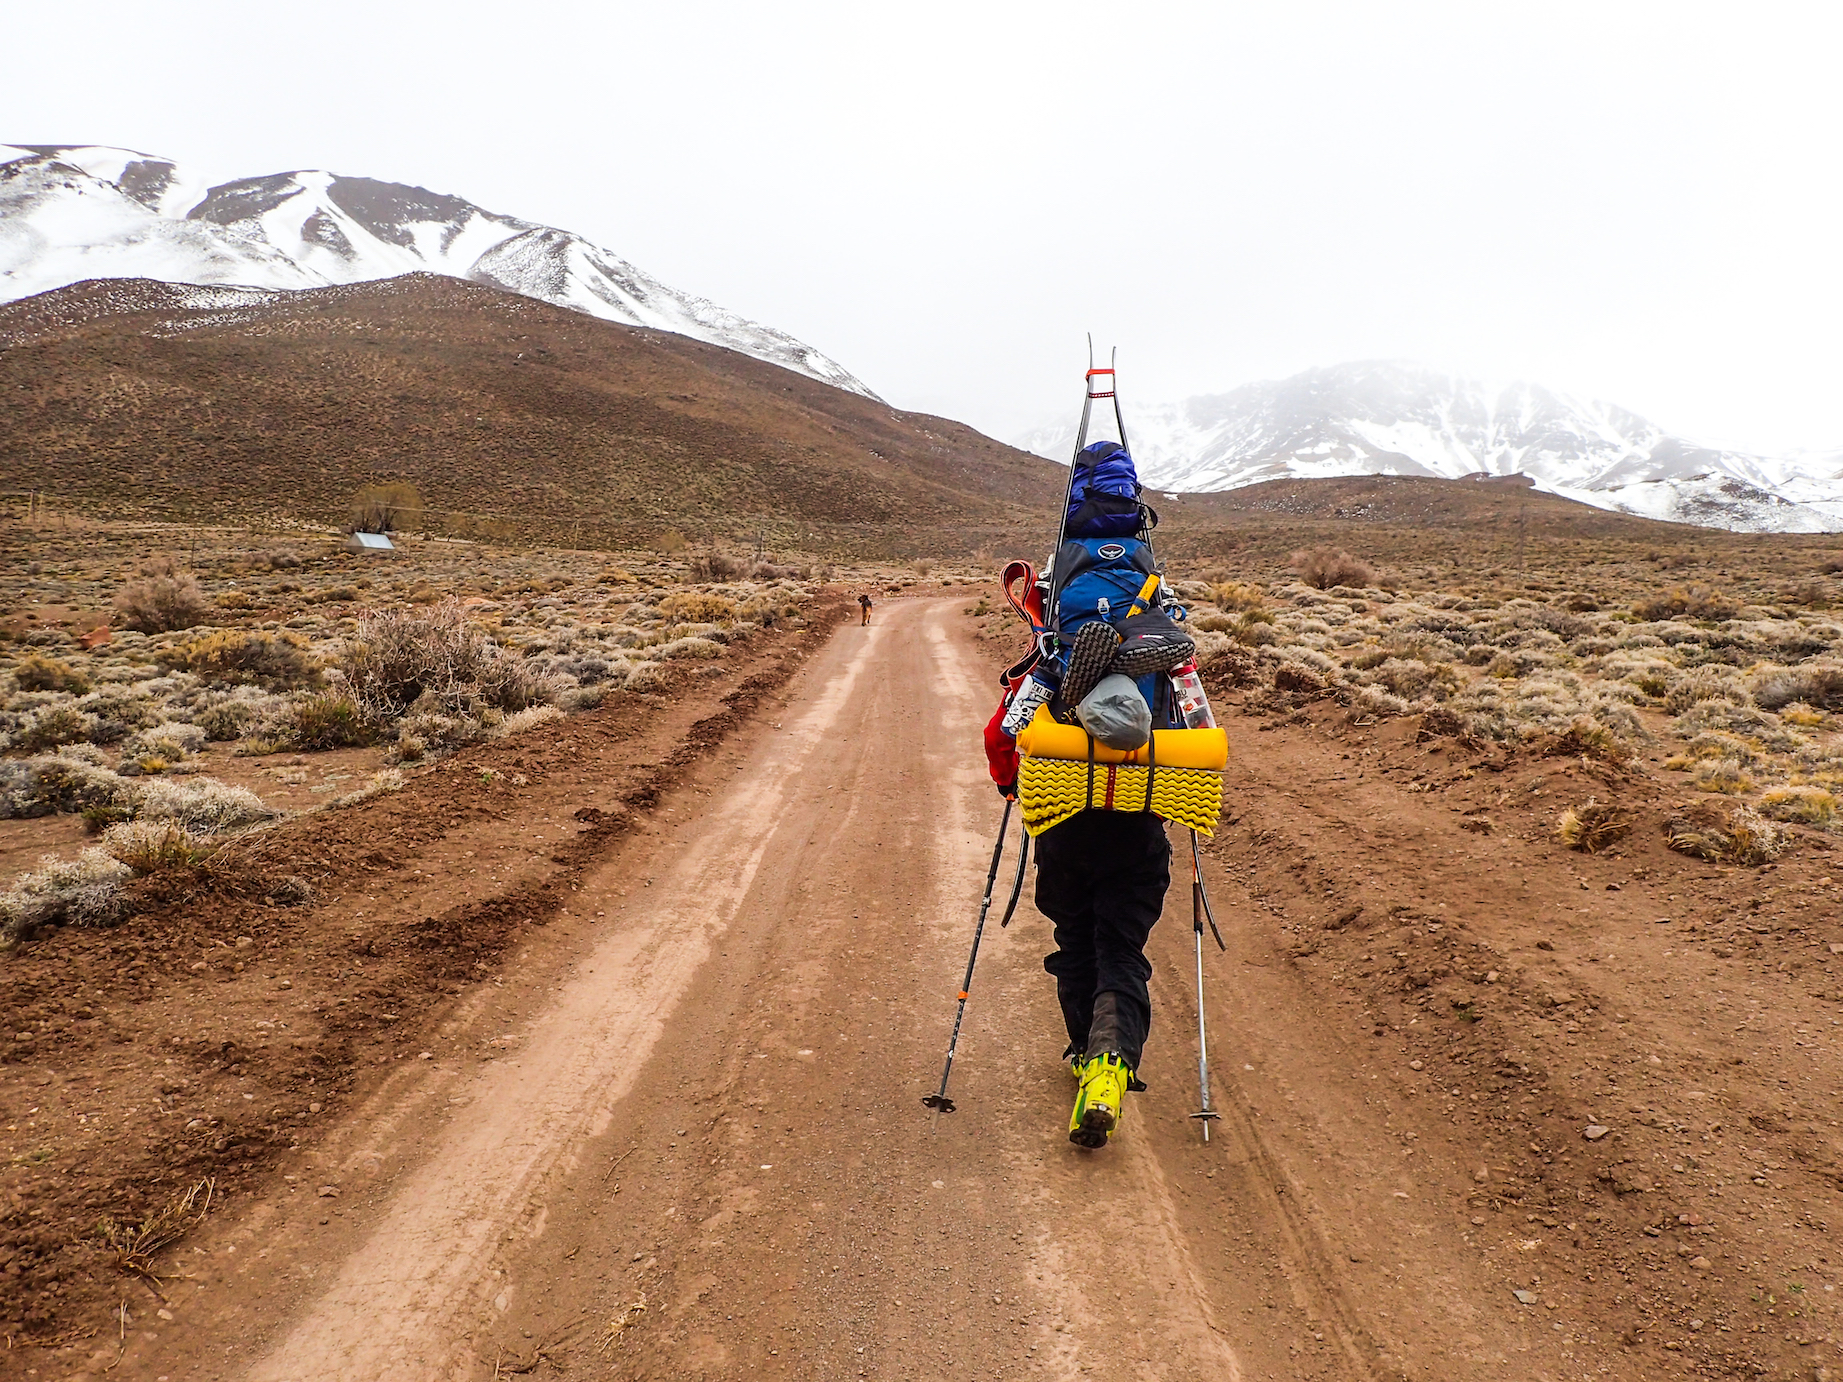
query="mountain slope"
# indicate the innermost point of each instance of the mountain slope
(69, 214)
(509, 415)
(1382, 418)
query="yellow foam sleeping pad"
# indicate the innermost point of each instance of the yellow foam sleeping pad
(1063, 770)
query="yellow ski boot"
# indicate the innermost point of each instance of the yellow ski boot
(1098, 1102)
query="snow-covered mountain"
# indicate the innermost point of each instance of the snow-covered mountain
(74, 213)
(1384, 418)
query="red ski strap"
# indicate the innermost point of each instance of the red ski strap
(1021, 592)
(1091, 376)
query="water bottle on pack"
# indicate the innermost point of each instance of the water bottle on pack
(1192, 704)
(1033, 693)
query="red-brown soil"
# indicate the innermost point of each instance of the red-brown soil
(216, 1029)
(676, 1132)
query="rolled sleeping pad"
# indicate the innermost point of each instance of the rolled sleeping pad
(1043, 737)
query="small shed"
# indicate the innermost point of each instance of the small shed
(377, 543)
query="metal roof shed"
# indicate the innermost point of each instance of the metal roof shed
(371, 542)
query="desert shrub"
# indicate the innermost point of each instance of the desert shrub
(1743, 720)
(1327, 566)
(432, 730)
(646, 676)
(1413, 680)
(716, 566)
(527, 719)
(274, 660)
(155, 846)
(1211, 623)
(1371, 700)
(698, 607)
(1589, 738)
(1693, 601)
(1704, 684)
(512, 683)
(1727, 776)
(1297, 677)
(283, 560)
(1802, 715)
(328, 720)
(1806, 805)
(1593, 826)
(1516, 662)
(118, 710)
(203, 805)
(584, 697)
(37, 672)
(156, 749)
(231, 719)
(164, 599)
(1817, 684)
(85, 891)
(64, 782)
(696, 648)
(397, 657)
(1740, 836)
(1235, 596)
(53, 727)
(1716, 743)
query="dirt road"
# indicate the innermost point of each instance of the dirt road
(697, 1148)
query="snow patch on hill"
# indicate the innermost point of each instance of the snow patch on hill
(73, 213)
(1385, 418)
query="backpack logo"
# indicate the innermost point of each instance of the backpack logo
(1113, 551)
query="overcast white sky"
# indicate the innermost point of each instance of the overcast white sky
(1642, 202)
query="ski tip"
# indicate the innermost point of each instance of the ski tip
(940, 1103)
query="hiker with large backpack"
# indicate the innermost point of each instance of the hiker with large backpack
(1102, 736)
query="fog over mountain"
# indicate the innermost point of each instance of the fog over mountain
(1389, 418)
(80, 212)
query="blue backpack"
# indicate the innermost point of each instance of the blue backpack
(1104, 494)
(1097, 578)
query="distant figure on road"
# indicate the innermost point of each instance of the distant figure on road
(864, 605)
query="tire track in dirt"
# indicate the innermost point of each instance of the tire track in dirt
(396, 1300)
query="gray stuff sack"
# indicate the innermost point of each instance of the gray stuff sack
(1116, 714)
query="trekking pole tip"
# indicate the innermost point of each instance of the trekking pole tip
(940, 1103)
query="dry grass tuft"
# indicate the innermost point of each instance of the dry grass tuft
(85, 891)
(240, 655)
(1693, 601)
(37, 672)
(1724, 775)
(156, 846)
(1588, 738)
(1593, 826)
(1296, 676)
(1325, 567)
(136, 1245)
(698, 607)
(1807, 805)
(1743, 836)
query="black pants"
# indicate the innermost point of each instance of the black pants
(1101, 878)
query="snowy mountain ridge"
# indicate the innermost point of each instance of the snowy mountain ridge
(1389, 418)
(74, 213)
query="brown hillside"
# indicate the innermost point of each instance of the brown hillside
(510, 416)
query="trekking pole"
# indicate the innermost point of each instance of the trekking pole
(1199, 910)
(939, 1100)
